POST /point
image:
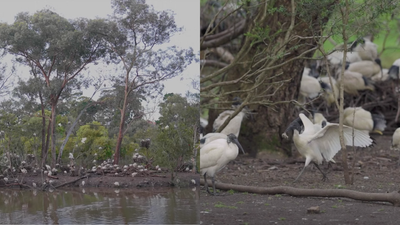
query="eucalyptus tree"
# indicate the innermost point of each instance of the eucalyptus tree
(55, 48)
(110, 101)
(136, 39)
(4, 79)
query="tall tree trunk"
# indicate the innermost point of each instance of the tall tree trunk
(53, 134)
(43, 152)
(46, 146)
(262, 58)
(121, 125)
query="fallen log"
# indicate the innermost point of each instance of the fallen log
(392, 197)
(71, 182)
(54, 177)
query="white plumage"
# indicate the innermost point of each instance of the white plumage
(317, 145)
(233, 125)
(396, 142)
(367, 50)
(215, 155)
(381, 76)
(364, 120)
(332, 92)
(336, 57)
(211, 137)
(396, 139)
(366, 68)
(309, 86)
(354, 82)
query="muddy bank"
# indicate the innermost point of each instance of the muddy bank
(44, 182)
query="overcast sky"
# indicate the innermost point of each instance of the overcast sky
(187, 14)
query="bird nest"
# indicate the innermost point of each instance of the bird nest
(384, 100)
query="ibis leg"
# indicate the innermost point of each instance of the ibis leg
(324, 178)
(206, 183)
(213, 182)
(299, 174)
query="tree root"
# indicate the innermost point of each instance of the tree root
(392, 197)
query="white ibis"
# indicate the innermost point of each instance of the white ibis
(396, 141)
(317, 145)
(215, 155)
(234, 124)
(364, 120)
(211, 137)
(355, 81)
(366, 68)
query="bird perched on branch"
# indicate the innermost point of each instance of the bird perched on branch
(215, 155)
(317, 145)
(235, 123)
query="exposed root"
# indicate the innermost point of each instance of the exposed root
(392, 197)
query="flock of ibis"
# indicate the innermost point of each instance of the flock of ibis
(315, 138)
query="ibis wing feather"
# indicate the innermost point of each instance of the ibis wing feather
(328, 140)
(209, 156)
(221, 118)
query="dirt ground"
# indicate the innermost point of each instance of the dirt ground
(376, 171)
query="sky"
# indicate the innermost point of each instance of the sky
(187, 14)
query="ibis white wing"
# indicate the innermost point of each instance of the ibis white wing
(211, 137)
(221, 118)
(328, 142)
(308, 125)
(212, 152)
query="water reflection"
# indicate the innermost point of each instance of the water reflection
(100, 206)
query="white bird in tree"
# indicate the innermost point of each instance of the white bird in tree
(215, 155)
(317, 145)
(235, 123)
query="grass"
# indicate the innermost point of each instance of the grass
(231, 192)
(281, 218)
(339, 186)
(221, 205)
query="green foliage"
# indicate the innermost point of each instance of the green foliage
(173, 143)
(91, 142)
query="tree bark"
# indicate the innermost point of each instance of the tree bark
(121, 123)
(278, 62)
(52, 123)
(392, 197)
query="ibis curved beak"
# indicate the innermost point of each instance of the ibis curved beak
(238, 144)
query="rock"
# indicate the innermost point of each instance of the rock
(313, 210)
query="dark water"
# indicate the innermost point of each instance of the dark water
(99, 206)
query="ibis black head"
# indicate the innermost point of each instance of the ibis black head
(233, 138)
(296, 124)
(236, 102)
(378, 61)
